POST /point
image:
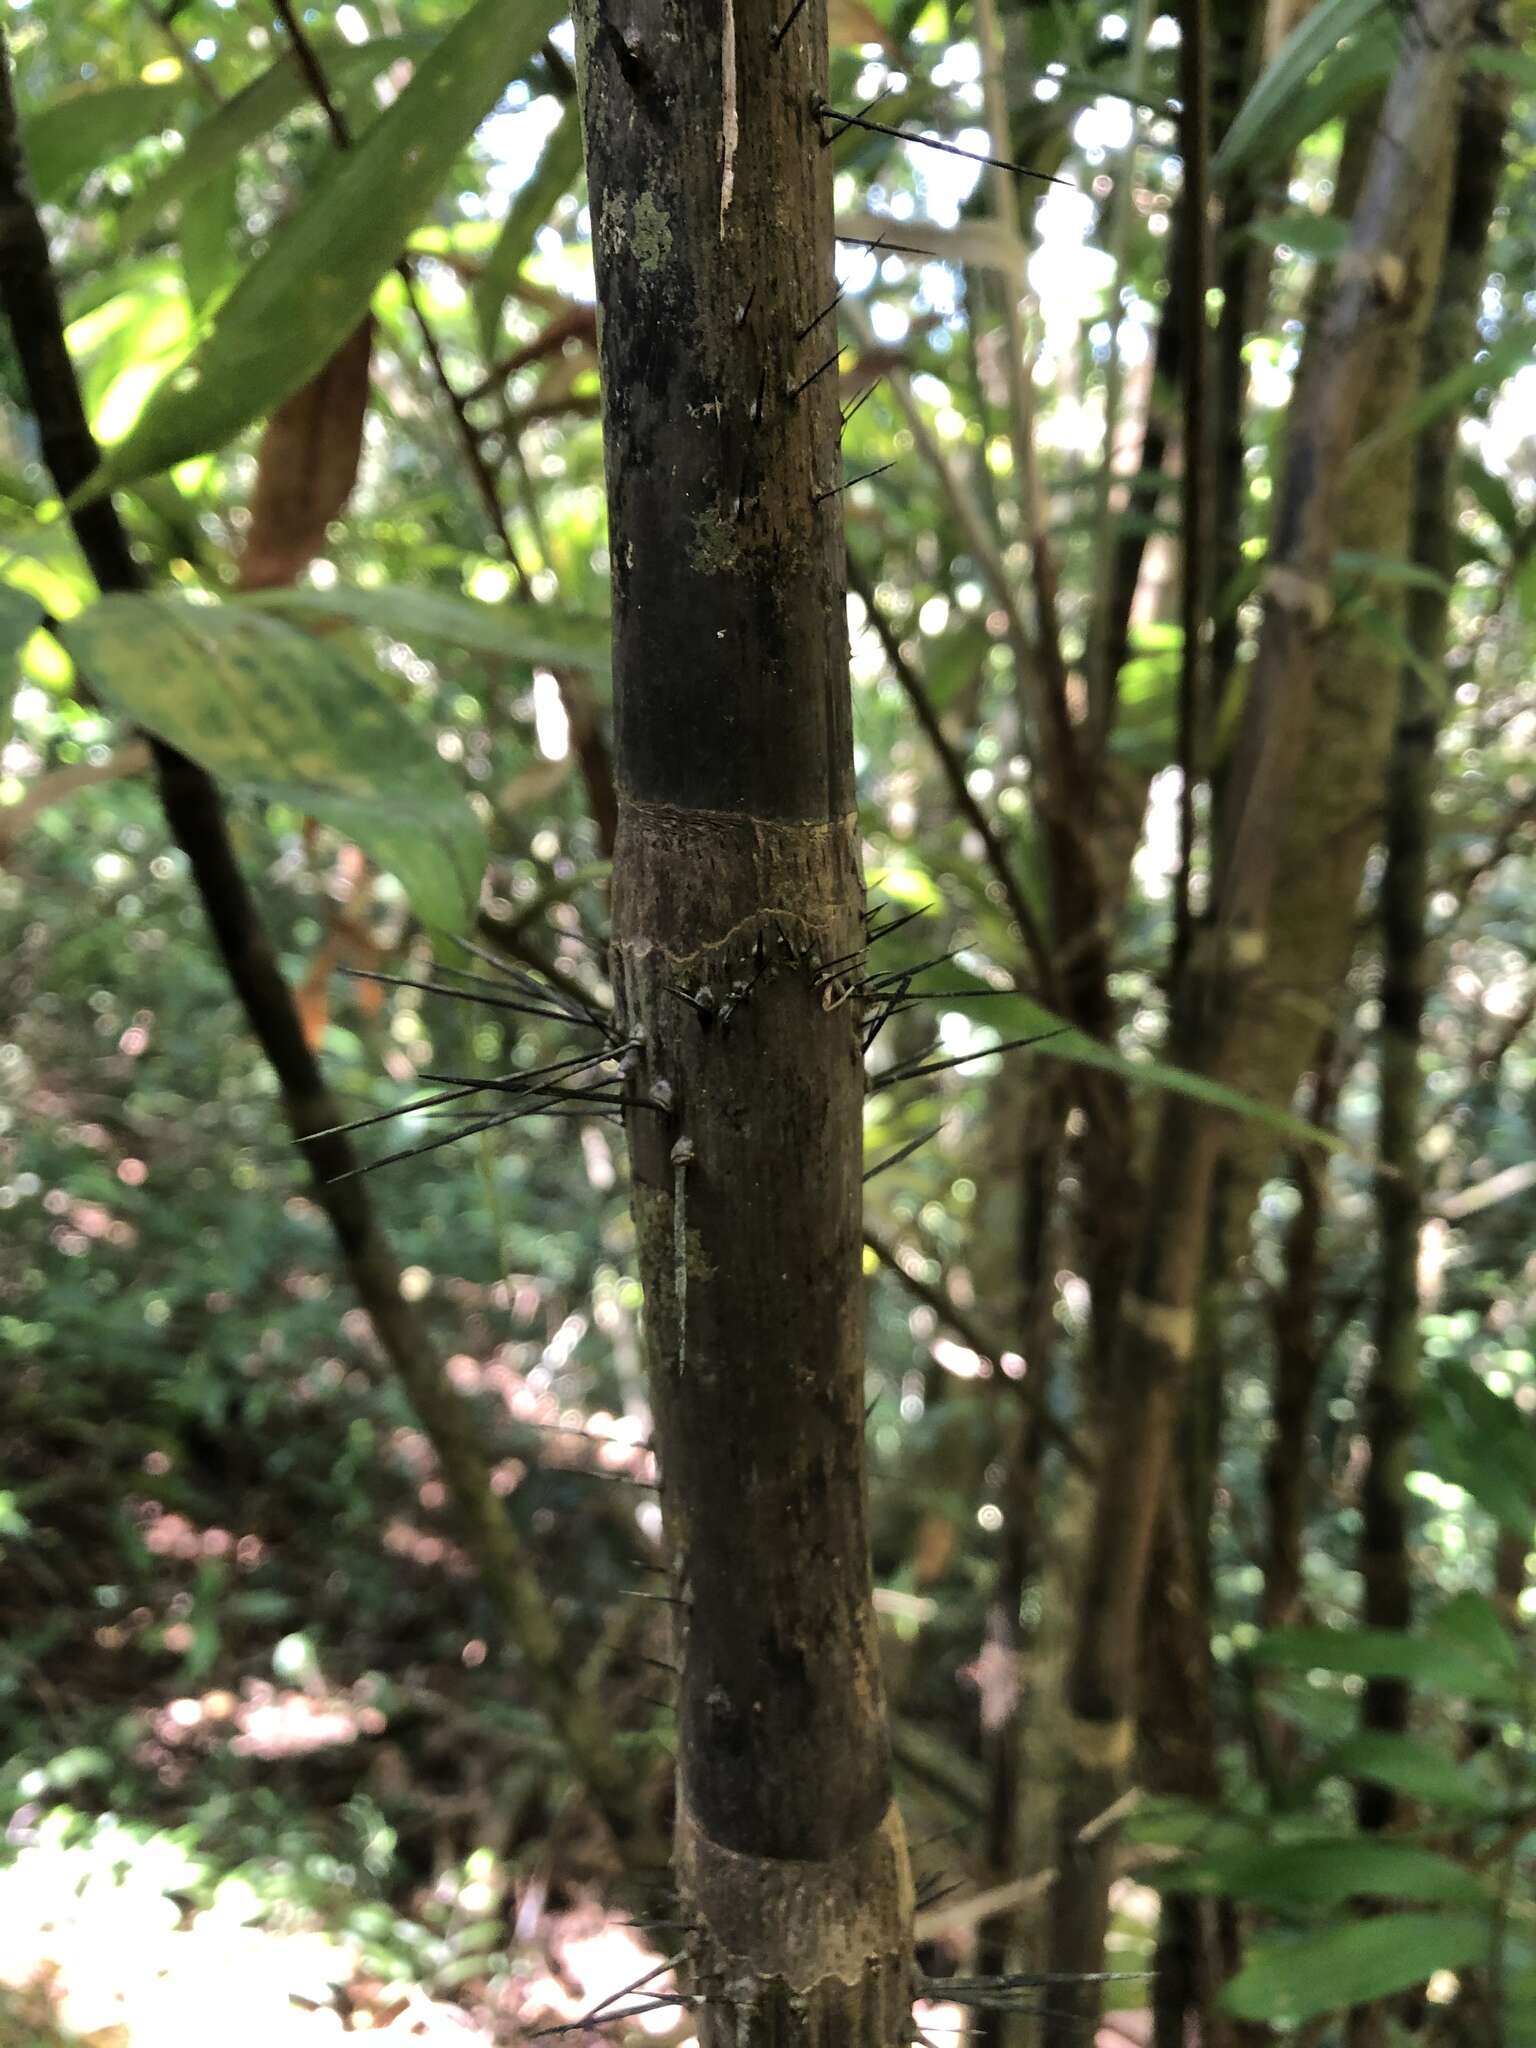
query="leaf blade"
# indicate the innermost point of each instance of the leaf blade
(262, 707)
(1354, 1964)
(1281, 84)
(300, 300)
(1422, 1660)
(217, 142)
(1330, 1871)
(20, 616)
(509, 631)
(1018, 1015)
(1413, 1768)
(75, 135)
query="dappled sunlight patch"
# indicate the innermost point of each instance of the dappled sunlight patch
(266, 1721)
(1135, 1903)
(275, 1723)
(94, 1932)
(960, 1360)
(592, 1960)
(434, 1553)
(97, 1941)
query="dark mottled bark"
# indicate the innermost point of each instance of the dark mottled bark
(736, 929)
(1177, 1719)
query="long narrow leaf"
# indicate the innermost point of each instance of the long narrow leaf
(81, 132)
(215, 143)
(1353, 1964)
(298, 303)
(1511, 352)
(1283, 82)
(1021, 1014)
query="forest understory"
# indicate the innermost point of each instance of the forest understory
(767, 856)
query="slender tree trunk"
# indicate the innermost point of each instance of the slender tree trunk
(1034, 1183)
(1385, 1569)
(1391, 1394)
(1242, 274)
(737, 933)
(1377, 286)
(1177, 1736)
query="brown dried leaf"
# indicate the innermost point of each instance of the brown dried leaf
(852, 23)
(935, 1548)
(312, 997)
(307, 467)
(347, 942)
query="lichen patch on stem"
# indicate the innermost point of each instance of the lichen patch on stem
(651, 235)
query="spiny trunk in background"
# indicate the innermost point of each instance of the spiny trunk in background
(1369, 320)
(1177, 1724)
(1243, 278)
(1177, 1710)
(1300, 1353)
(1197, 1940)
(1388, 1408)
(1213, 88)
(1033, 1128)
(736, 888)
(1391, 1394)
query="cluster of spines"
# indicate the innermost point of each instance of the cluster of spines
(584, 1083)
(592, 1081)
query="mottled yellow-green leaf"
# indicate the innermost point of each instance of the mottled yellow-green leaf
(508, 631)
(270, 712)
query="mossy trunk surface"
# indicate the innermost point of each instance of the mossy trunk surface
(737, 926)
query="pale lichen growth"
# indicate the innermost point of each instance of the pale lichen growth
(611, 228)
(651, 235)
